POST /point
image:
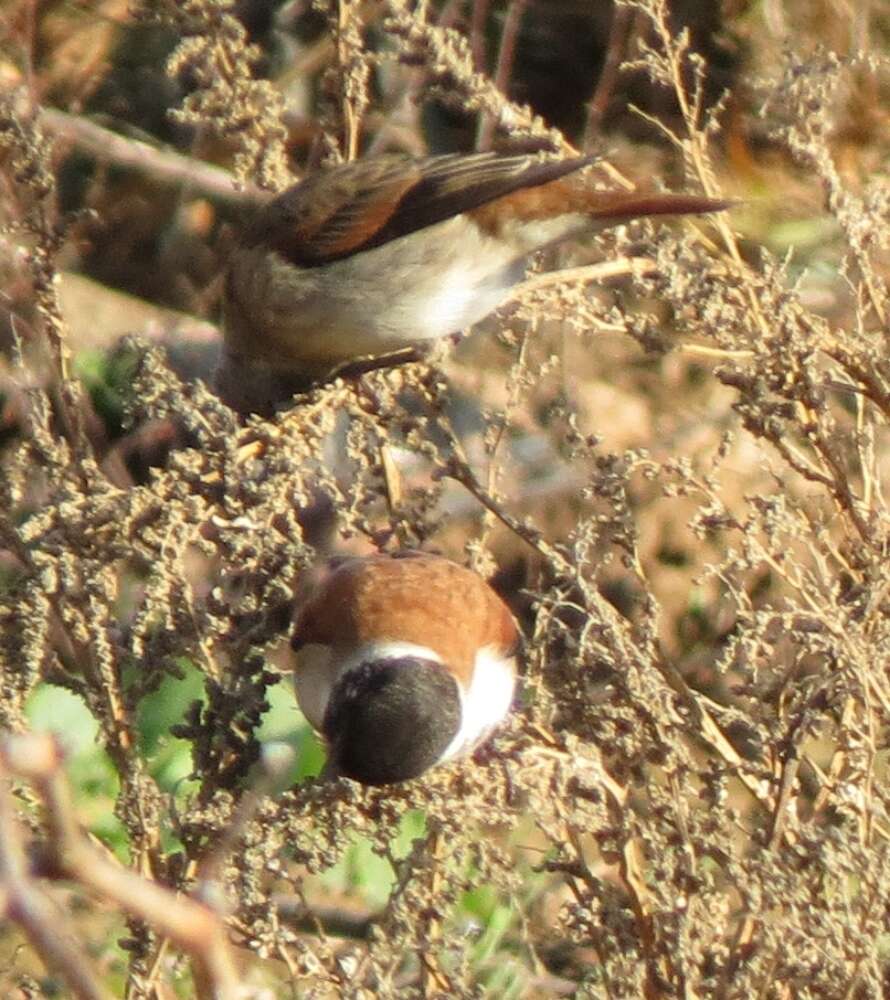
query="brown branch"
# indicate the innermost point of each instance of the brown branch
(506, 57)
(620, 29)
(23, 903)
(163, 165)
(192, 925)
(478, 18)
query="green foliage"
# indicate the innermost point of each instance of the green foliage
(90, 771)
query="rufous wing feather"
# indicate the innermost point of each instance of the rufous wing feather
(334, 213)
(365, 203)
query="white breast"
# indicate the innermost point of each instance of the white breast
(313, 680)
(487, 701)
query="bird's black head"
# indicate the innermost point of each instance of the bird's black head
(390, 720)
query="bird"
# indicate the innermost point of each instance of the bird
(403, 662)
(388, 253)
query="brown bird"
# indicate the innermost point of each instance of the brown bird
(386, 253)
(403, 662)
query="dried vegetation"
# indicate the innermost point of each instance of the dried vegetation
(680, 473)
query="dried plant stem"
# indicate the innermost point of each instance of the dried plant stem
(22, 902)
(163, 165)
(618, 267)
(354, 73)
(504, 68)
(461, 472)
(192, 925)
(433, 978)
(621, 25)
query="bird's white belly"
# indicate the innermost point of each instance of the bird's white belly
(439, 281)
(487, 701)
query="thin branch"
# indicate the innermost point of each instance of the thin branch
(192, 925)
(163, 165)
(24, 904)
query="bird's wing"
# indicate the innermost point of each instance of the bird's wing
(366, 203)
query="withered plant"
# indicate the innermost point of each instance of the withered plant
(670, 456)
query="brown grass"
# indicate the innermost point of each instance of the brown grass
(677, 476)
